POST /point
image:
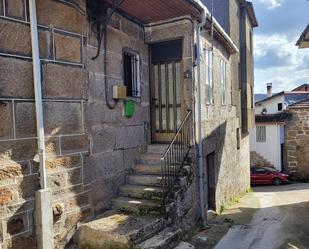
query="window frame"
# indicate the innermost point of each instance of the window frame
(209, 98)
(223, 82)
(280, 104)
(261, 134)
(135, 73)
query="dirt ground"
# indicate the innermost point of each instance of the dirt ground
(269, 218)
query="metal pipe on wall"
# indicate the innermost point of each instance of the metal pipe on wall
(43, 197)
(38, 91)
(199, 114)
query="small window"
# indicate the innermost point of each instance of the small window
(279, 106)
(131, 73)
(261, 134)
(223, 81)
(209, 78)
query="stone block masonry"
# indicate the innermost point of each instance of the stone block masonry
(116, 141)
(296, 147)
(89, 147)
(62, 31)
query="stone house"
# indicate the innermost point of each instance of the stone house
(303, 40)
(296, 157)
(104, 143)
(267, 139)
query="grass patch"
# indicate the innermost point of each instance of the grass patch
(233, 201)
(249, 190)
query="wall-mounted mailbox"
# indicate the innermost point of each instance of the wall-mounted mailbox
(119, 92)
(129, 108)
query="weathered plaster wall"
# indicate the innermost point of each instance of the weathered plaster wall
(296, 147)
(219, 132)
(271, 148)
(65, 92)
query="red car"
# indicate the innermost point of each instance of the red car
(266, 175)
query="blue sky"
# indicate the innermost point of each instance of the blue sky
(277, 59)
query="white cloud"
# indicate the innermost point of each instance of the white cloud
(279, 61)
(276, 51)
(271, 4)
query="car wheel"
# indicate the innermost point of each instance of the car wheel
(276, 181)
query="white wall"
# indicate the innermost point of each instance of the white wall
(271, 105)
(271, 149)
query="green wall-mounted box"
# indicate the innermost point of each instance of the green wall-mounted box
(129, 108)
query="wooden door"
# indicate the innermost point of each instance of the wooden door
(167, 99)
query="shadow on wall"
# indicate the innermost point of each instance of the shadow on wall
(213, 146)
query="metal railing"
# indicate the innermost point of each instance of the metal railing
(175, 156)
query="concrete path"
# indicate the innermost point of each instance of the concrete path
(270, 218)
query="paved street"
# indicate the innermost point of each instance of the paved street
(270, 218)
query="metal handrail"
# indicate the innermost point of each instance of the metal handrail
(175, 156)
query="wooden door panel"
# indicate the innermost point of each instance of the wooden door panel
(167, 100)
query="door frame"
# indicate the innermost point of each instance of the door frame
(165, 137)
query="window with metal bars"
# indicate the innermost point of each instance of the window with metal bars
(131, 73)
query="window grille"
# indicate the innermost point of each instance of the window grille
(131, 73)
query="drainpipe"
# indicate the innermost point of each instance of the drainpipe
(199, 113)
(43, 206)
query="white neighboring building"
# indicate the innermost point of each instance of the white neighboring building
(267, 138)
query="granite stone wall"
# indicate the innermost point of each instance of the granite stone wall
(116, 141)
(221, 123)
(62, 32)
(296, 146)
(89, 147)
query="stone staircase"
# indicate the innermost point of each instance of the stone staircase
(258, 160)
(143, 192)
(136, 221)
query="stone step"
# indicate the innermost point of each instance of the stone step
(151, 158)
(184, 245)
(157, 148)
(145, 180)
(118, 231)
(148, 169)
(151, 169)
(166, 239)
(141, 192)
(137, 206)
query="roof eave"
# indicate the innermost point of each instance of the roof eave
(302, 39)
(252, 14)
